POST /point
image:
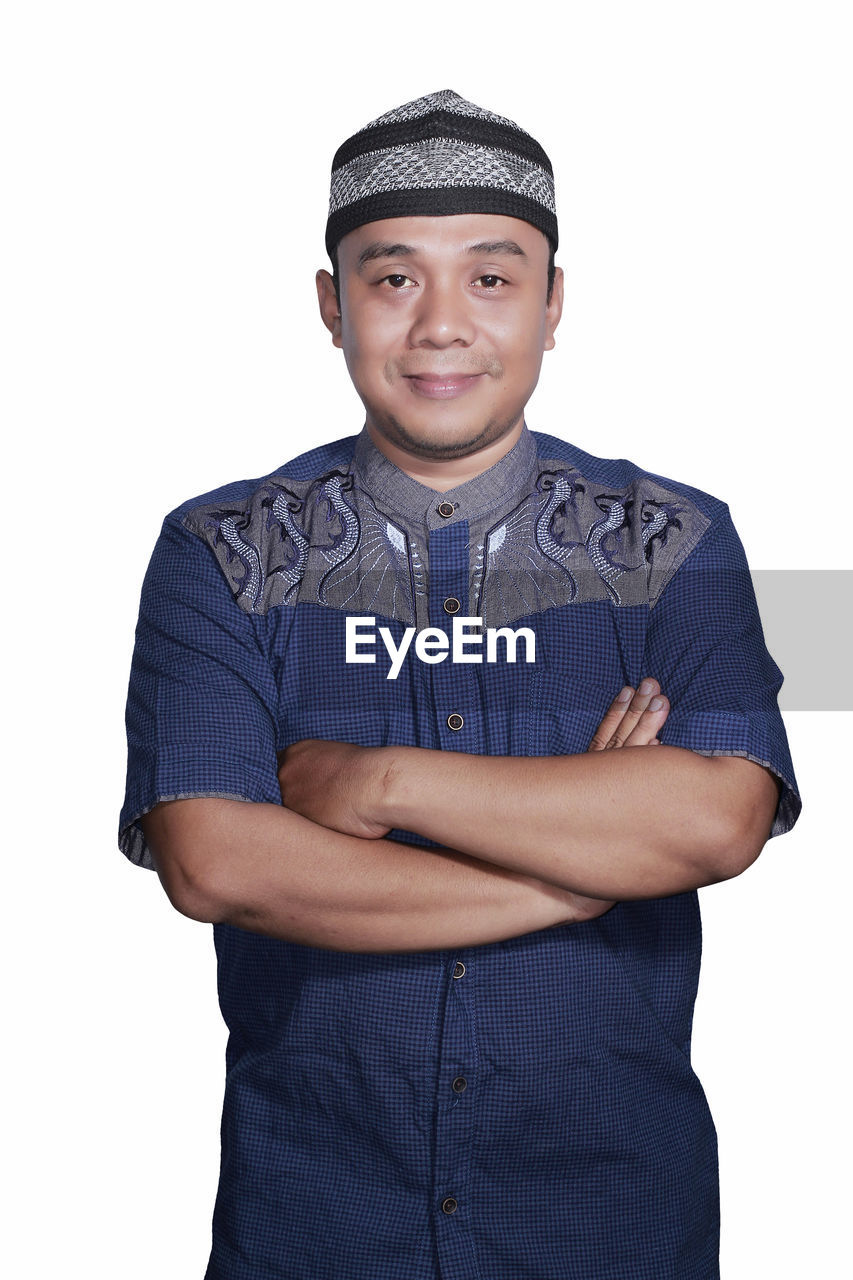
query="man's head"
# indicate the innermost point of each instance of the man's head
(444, 293)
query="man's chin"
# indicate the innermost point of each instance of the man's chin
(440, 443)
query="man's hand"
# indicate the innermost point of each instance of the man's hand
(634, 719)
(339, 785)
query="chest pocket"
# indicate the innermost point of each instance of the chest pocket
(327, 690)
(586, 654)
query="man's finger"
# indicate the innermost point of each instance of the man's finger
(648, 726)
(632, 719)
(612, 720)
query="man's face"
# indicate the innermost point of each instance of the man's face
(443, 322)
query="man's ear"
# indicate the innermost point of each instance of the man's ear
(554, 310)
(329, 307)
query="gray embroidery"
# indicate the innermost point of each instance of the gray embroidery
(252, 584)
(561, 496)
(343, 545)
(600, 557)
(558, 540)
(291, 574)
(386, 575)
(571, 542)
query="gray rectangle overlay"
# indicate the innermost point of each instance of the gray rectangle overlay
(806, 615)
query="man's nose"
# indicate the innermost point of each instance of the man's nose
(442, 317)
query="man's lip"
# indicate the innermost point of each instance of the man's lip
(441, 386)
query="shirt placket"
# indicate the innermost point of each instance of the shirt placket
(456, 703)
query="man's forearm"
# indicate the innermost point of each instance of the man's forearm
(264, 869)
(616, 824)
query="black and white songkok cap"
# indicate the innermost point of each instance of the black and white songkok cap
(440, 155)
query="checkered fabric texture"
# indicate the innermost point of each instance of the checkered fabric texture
(524, 1110)
(440, 155)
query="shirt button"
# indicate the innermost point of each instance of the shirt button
(460, 1084)
(445, 509)
(455, 721)
(459, 970)
(449, 1205)
(452, 605)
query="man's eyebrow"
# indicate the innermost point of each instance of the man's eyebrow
(488, 248)
(383, 249)
(482, 249)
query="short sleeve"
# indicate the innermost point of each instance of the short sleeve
(202, 702)
(705, 645)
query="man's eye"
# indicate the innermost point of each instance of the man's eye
(489, 282)
(397, 281)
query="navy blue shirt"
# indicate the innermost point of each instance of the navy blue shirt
(525, 1108)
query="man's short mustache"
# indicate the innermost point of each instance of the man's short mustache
(459, 368)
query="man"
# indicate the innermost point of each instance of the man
(458, 962)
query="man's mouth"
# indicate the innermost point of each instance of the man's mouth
(442, 386)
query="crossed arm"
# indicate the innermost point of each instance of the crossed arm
(532, 843)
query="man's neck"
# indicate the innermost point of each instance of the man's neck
(443, 474)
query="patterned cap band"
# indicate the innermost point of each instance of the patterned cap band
(440, 155)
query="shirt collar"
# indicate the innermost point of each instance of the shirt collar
(395, 492)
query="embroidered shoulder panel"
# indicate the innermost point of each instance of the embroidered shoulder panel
(294, 541)
(572, 541)
(567, 540)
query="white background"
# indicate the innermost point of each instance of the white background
(166, 174)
